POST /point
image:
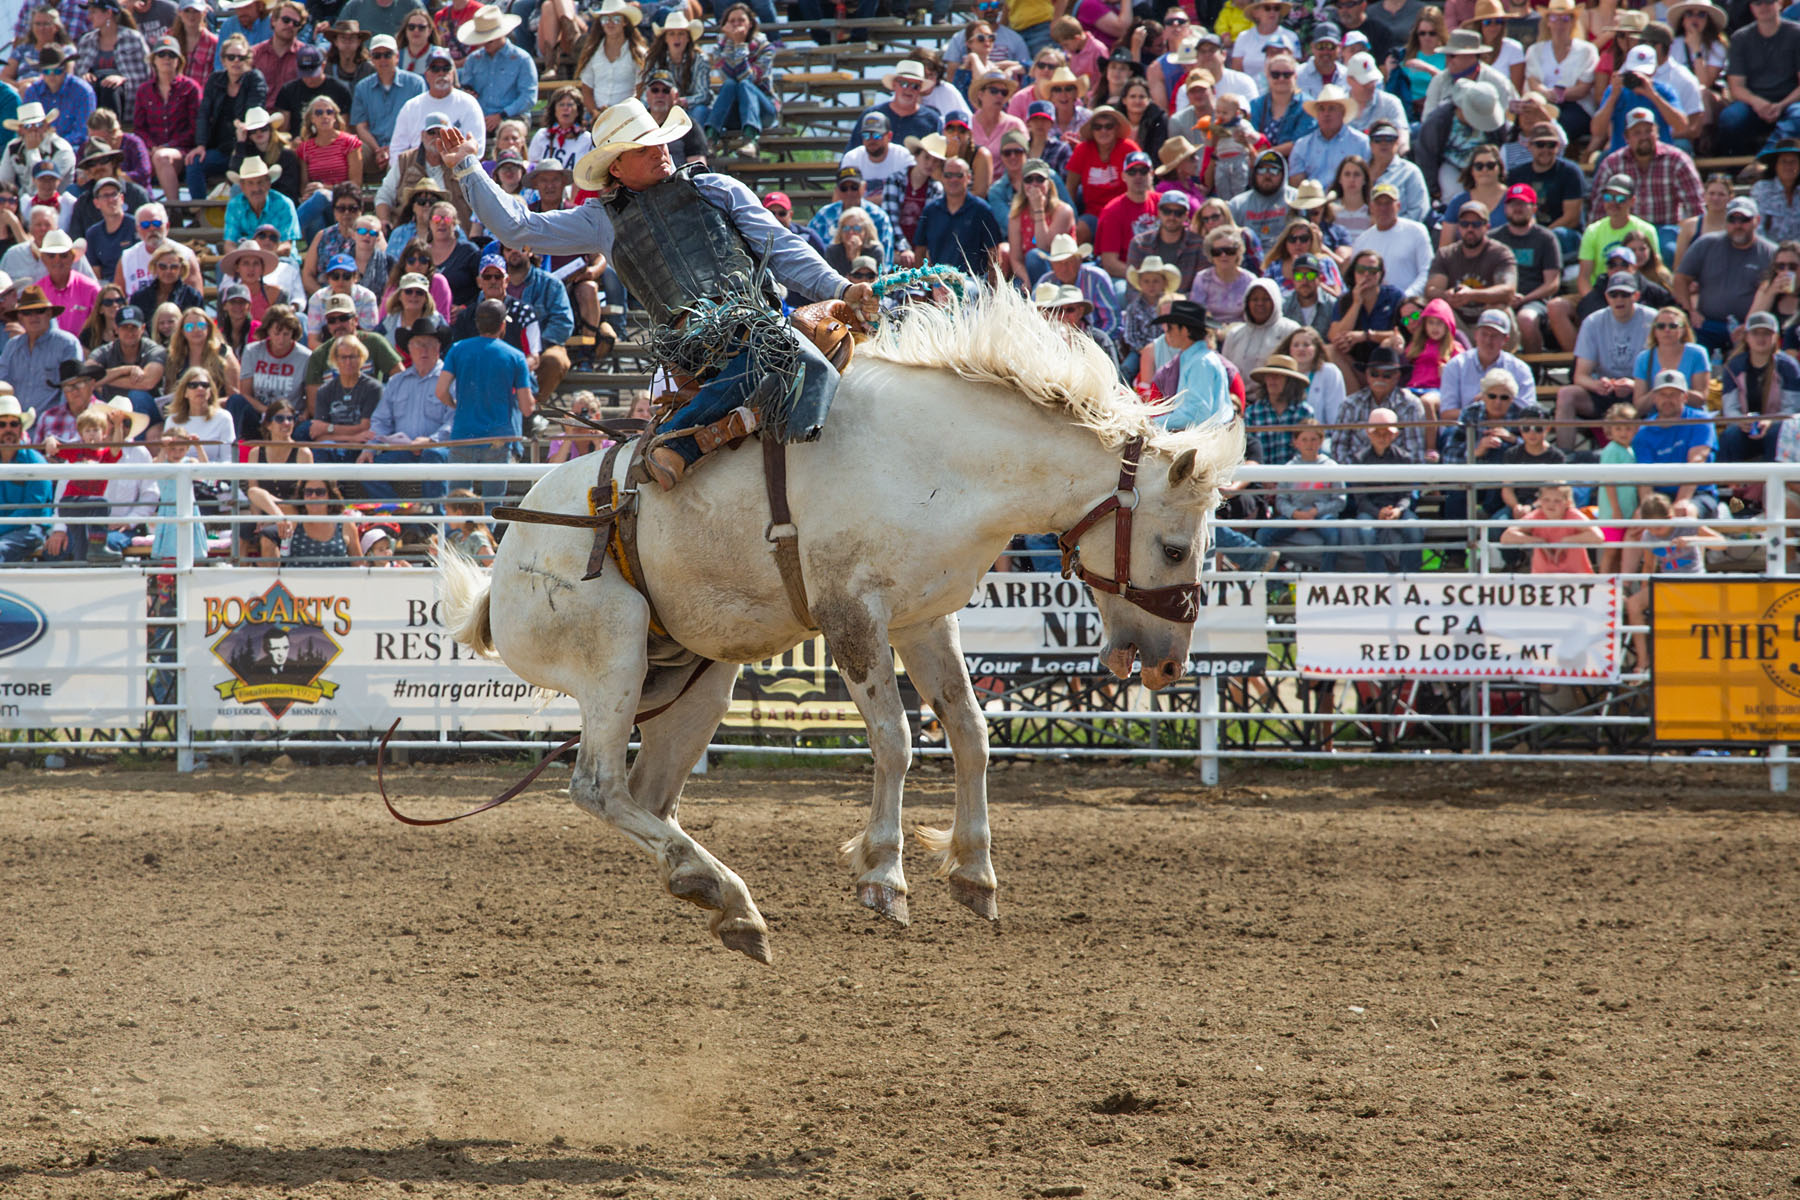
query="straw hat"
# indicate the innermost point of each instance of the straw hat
(1104, 110)
(1629, 20)
(1064, 246)
(1154, 265)
(677, 22)
(910, 69)
(488, 24)
(1280, 364)
(1331, 93)
(618, 8)
(932, 144)
(1051, 295)
(9, 407)
(1679, 12)
(257, 117)
(1062, 77)
(254, 168)
(1486, 10)
(58, 242)
(994, 79)
(1173, 152)
(120, 406)
(30, 114)
(1308, 194)
(1465, 41)
(624, 126)
(230, 263)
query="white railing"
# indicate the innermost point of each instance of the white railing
(1136, 728)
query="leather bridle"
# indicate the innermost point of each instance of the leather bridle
(1179, 602)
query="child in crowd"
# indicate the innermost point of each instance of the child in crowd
(1388, 508)
(1616, 499)
(1559, 549)
(82, 497)
(1533, 449)
(1670, 547)
(1316, 501)
(470, 536)
(179, 444)
(1434, 343)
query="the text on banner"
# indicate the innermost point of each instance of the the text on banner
(1726, 660)
(71, 650)
(1548, 628)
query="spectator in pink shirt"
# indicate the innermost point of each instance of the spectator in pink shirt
(63, 284)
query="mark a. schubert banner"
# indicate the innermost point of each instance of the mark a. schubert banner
(71, 650)
(344, 649)
(1038, 623)
(1548, 628)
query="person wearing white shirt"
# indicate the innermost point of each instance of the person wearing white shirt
(1209, 56)
(441, 95)
(1403, 244)
(1252, 45)
(894, 162)
(1690, 97)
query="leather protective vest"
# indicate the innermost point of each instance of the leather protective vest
(672, 248)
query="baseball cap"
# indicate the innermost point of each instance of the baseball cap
(233, 291)
(1014, 137)
(1384, 189)
(661, 75)
(1175, 199)
(778, 198)
(437, 120)
(1306, 262)
(1521, 191)
(1641, 60)
(1495, 318)
(308, 59)
(1356, 37)
(109, 181)
(1669, 379)
(1742, 206)
(1763, 320)
(1040, 108)
(131, 314)
(267, 228)
(494, 261)
(509, 157)
(337, 302)
(412, 279)
(1639, 116)
(1327, 32)
(1620, 251)
(383, 41)
(1622, 281)
(1362, 69)
(863, 262)
(439, 54)
(1384, 131)
(873, 123)
(341, 262)
(1622, 184)
(1476, 207)
(45, 167)
(1137, 158)
(846, 173)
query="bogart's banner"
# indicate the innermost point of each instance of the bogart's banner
(344, 649)
(1545, 628)
(1038, 623)
(72, 649)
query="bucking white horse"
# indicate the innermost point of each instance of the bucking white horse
(954, 429)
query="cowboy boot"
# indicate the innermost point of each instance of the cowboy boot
(665, 466)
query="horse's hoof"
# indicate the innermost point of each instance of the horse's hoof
(977, 899)
(751, 942)
(889, 902)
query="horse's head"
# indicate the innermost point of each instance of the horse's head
(1141, 549)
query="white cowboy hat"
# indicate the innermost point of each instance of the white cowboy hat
(1154, 265)
(255, 168)
(1479, 105)
(58, 242)
(618, 8)
(487, 25)
(1308, 194)
(9, 407)
(1051, 294)
(30, 114)
(624, 126)
(1331, 93)
(678, 22)
(1063, 246)
(907, 68)
(139, 421)
(257, 117)
(932, 144)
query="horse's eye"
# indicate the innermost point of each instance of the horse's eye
(1175, 554)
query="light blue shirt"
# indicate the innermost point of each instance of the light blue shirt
(1459, 380)
(278, 210)
(505, 82)
(1403, 173)
(1204, 397)
(31, 368)
(1317, 157)
(378, 106)
(410, 408)
(795, 265)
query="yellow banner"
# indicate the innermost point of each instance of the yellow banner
(1726, 660)
(245, 693)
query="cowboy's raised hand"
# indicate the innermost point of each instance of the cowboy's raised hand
(453, 147)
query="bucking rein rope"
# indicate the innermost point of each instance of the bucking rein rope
(894, 281)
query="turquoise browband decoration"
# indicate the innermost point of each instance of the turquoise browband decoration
(900, 281)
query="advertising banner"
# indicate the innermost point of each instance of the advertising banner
(72, 649)
(1725, 659)
(1038, 623)
(347, 650)
(1545, 628)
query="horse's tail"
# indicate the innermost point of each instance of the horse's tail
(466, 588)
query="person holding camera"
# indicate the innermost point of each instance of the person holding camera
(1633, 88)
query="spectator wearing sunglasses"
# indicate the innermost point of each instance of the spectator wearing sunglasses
(377, 16)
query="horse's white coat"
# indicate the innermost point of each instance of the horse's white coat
(921, 477)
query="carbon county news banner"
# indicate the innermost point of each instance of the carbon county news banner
(1542, 628)
(1725, 657)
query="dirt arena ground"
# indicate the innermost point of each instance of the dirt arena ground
(1443, 982)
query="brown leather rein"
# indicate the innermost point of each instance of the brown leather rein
(1178, 602)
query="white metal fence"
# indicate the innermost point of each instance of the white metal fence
(1282, 713)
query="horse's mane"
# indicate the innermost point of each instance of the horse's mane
(996, 336)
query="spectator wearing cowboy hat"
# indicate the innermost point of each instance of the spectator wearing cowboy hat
(410, 419)
(256, 202)
(67, 98)
(23, 263)
(498, 70)
(37, 141)
(32, 361)
(1466, 61)
(1069, 265)
(1060, 302)
(906, 116)
(75, 292)
(25, 505)
(1317, 154)
(1195, 381)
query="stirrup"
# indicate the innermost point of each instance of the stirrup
(665, 466)
(740, 422)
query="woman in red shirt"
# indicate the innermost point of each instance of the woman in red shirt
(328, 156)
(168, 104)
(1096, 171)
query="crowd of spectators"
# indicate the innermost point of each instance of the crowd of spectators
(1354, 222)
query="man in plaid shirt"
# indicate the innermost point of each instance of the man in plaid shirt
(1265, 444)
(1668, 183)
(1384, 391)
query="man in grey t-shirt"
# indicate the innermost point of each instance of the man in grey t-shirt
(1606, 350)
(1718, 276)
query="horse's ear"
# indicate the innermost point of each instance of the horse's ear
(1183, 469)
